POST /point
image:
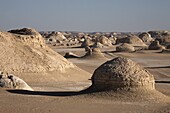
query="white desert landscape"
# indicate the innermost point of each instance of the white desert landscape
(84, 72)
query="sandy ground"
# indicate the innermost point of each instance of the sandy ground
(58, 97)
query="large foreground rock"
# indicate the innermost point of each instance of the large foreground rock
(122, 74)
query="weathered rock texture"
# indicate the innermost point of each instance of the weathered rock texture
(24, 50)
(146, 37)
(13, 82)
(122, 74)
(131, 39)
(87, 42)
(94, 53)
(105, 41)
(162, 36)
(98, 45)
(156, 46)
(125, 48)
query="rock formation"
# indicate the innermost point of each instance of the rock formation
(162, 36)
(125, 48)
(105, 41)
(24, 50)
(98, 45)
(146, 37)
(122, 74)
(87, 42)
(168, 47)
(131, 39)
(94, 53)
(33, 61)
(155, 46)
(13, 82)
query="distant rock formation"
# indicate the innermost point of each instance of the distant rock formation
(87, 42)
(155, 46)
(168, 47)
(98, 45)
(56, 37)
(105, 41)
(94, 53)
(146, 37)
(162, 36)
(125, 48)
(13, 82)
(131, 39)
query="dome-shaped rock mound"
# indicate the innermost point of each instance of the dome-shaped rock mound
(105, 41)
(122, 74)
(94, 53)
(146, 37)
(125, 48)
(121, 79)
(131, 39)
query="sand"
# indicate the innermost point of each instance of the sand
(59, 96)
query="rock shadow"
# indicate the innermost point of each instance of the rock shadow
(157, 67)
(53, 93)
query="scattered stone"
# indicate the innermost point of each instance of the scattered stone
(71, 55)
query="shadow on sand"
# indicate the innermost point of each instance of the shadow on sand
(63, 93)
(157, 67)
(53, 93)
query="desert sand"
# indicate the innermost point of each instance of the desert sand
(65, 92)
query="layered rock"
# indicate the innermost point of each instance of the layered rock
(122, 74)
(25, 51)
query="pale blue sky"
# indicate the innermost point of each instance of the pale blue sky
(86, 15)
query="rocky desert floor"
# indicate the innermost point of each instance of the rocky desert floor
(63, 96)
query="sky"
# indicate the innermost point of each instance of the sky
(85, 15)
